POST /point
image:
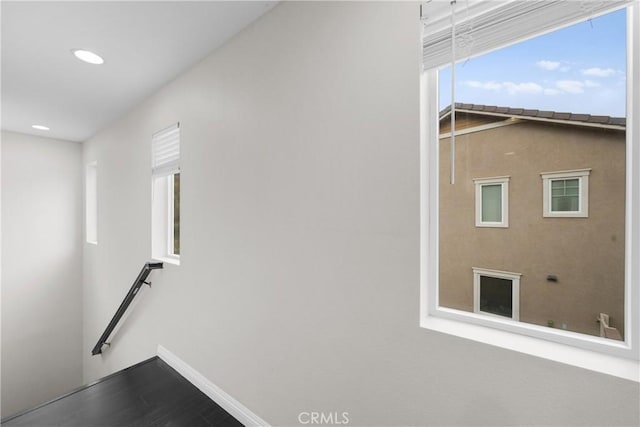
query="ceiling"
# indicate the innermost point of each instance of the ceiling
(145, 45)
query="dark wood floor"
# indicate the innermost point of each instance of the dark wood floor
(150, 393)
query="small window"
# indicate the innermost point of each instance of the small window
(492, 202)
(174, 214)
(566, 194)
(91, 203)
(496, 293)
(165, 182)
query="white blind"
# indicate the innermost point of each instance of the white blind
(484, 26)
(165, 151)
(492, 203)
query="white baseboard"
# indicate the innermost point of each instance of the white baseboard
(228, 403)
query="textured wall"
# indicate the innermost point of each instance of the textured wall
(586, 254)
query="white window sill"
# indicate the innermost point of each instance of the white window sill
(586, 359)
(566, 215)
(170, 260)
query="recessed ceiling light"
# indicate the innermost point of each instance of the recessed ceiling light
(40, 127)
(88, 56)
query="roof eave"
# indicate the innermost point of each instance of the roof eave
(447, 113)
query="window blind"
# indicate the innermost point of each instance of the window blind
(492, 203)
(486, 25)
(165, 151)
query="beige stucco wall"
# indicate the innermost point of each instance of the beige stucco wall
(586, 254)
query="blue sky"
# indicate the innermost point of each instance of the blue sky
(579, 69)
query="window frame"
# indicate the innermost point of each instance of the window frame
(161, 220)
(621, 359)
(503, 181)
(582, 175)
(164, 168)
(171, 215)
(497, 274)
(91, 203)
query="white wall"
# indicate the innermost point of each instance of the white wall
(299, 280)
(41, 270)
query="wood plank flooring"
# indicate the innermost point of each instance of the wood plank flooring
(150, 393)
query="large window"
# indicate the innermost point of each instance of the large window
(165, 171)
(543, 105)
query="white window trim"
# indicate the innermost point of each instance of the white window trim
(515, 290)
(91, 203)
(503, 181)
(160, 221)
(582, 175)
(165, 163)
(620, 359)
(170, 217)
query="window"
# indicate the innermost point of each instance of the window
(165, 184)
(566, 194)
(496, 293)
(174, 214)
(519, 102)
(91, 203)
(492, 202)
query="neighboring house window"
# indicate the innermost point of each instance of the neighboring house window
(566, 194)
(492, 202)
(165, 171)
(496, 293)
(91, 203)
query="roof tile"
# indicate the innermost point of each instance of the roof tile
(600, 119)
(580, 117)
(554, 115)
(561, 116)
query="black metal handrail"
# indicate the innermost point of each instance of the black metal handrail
(141, 280)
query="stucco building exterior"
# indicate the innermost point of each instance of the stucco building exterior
(533, 227)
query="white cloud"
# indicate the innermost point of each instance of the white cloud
(575, 86)
(552, 92)
(483, 85)
(528, 87)
(570, 86)
(548, 65)
(550, 88)
(598, 72)
(553, 66)
(511, 87)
